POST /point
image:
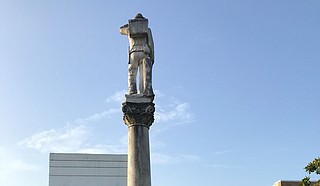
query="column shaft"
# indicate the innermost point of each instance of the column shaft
(138, 156)
(138, 116)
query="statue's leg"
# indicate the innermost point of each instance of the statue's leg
(132, 76)
(141, 76)
(147, 77)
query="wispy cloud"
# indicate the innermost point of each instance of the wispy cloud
(205, 39)
(171, 110)
(76, 136)
(220, 166)
(102, 149)
(97, 116)
(68, 139)
(168, 108)
(178, 113)
(223, 152)
(57, 140)
(11, 165)
(117, 96)
(225, 166)
(8, 161)
(158, 158)
(73, 137)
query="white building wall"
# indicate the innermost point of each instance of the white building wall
(66, 169)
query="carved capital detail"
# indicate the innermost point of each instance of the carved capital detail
(138, 114)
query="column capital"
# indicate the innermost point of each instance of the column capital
(138, 114)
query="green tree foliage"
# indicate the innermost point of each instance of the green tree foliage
(313, 166)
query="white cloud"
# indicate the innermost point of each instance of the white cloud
(177, 113)
(11, 166)
(224, 166)
(62, 140)
(222, 152)
(168, 108)
(117, 97)
(168, 159)
(97, 116)
(102, 149)
(9, 162)
(68, 139)
(75, 136)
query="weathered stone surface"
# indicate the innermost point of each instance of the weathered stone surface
(138, 26)
(138, 116)
(138, 113)
(139, 173)
(138, 98)
(141, 55)
(138, 107)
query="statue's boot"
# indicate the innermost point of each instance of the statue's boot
(132, 76)
(132, 89)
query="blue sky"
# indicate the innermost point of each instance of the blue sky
(237, 87)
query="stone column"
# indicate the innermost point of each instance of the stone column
(138, 116)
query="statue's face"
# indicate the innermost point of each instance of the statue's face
(124, 29)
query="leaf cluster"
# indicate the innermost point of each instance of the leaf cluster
(312, 167)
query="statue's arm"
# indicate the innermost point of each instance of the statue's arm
(151, 44)
(124, 29)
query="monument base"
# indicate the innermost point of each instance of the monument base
(138, 115)
(138, 98)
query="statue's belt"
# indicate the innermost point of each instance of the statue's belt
(136, 51)
(140, 48)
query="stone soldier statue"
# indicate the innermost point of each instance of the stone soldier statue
(141, 55)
